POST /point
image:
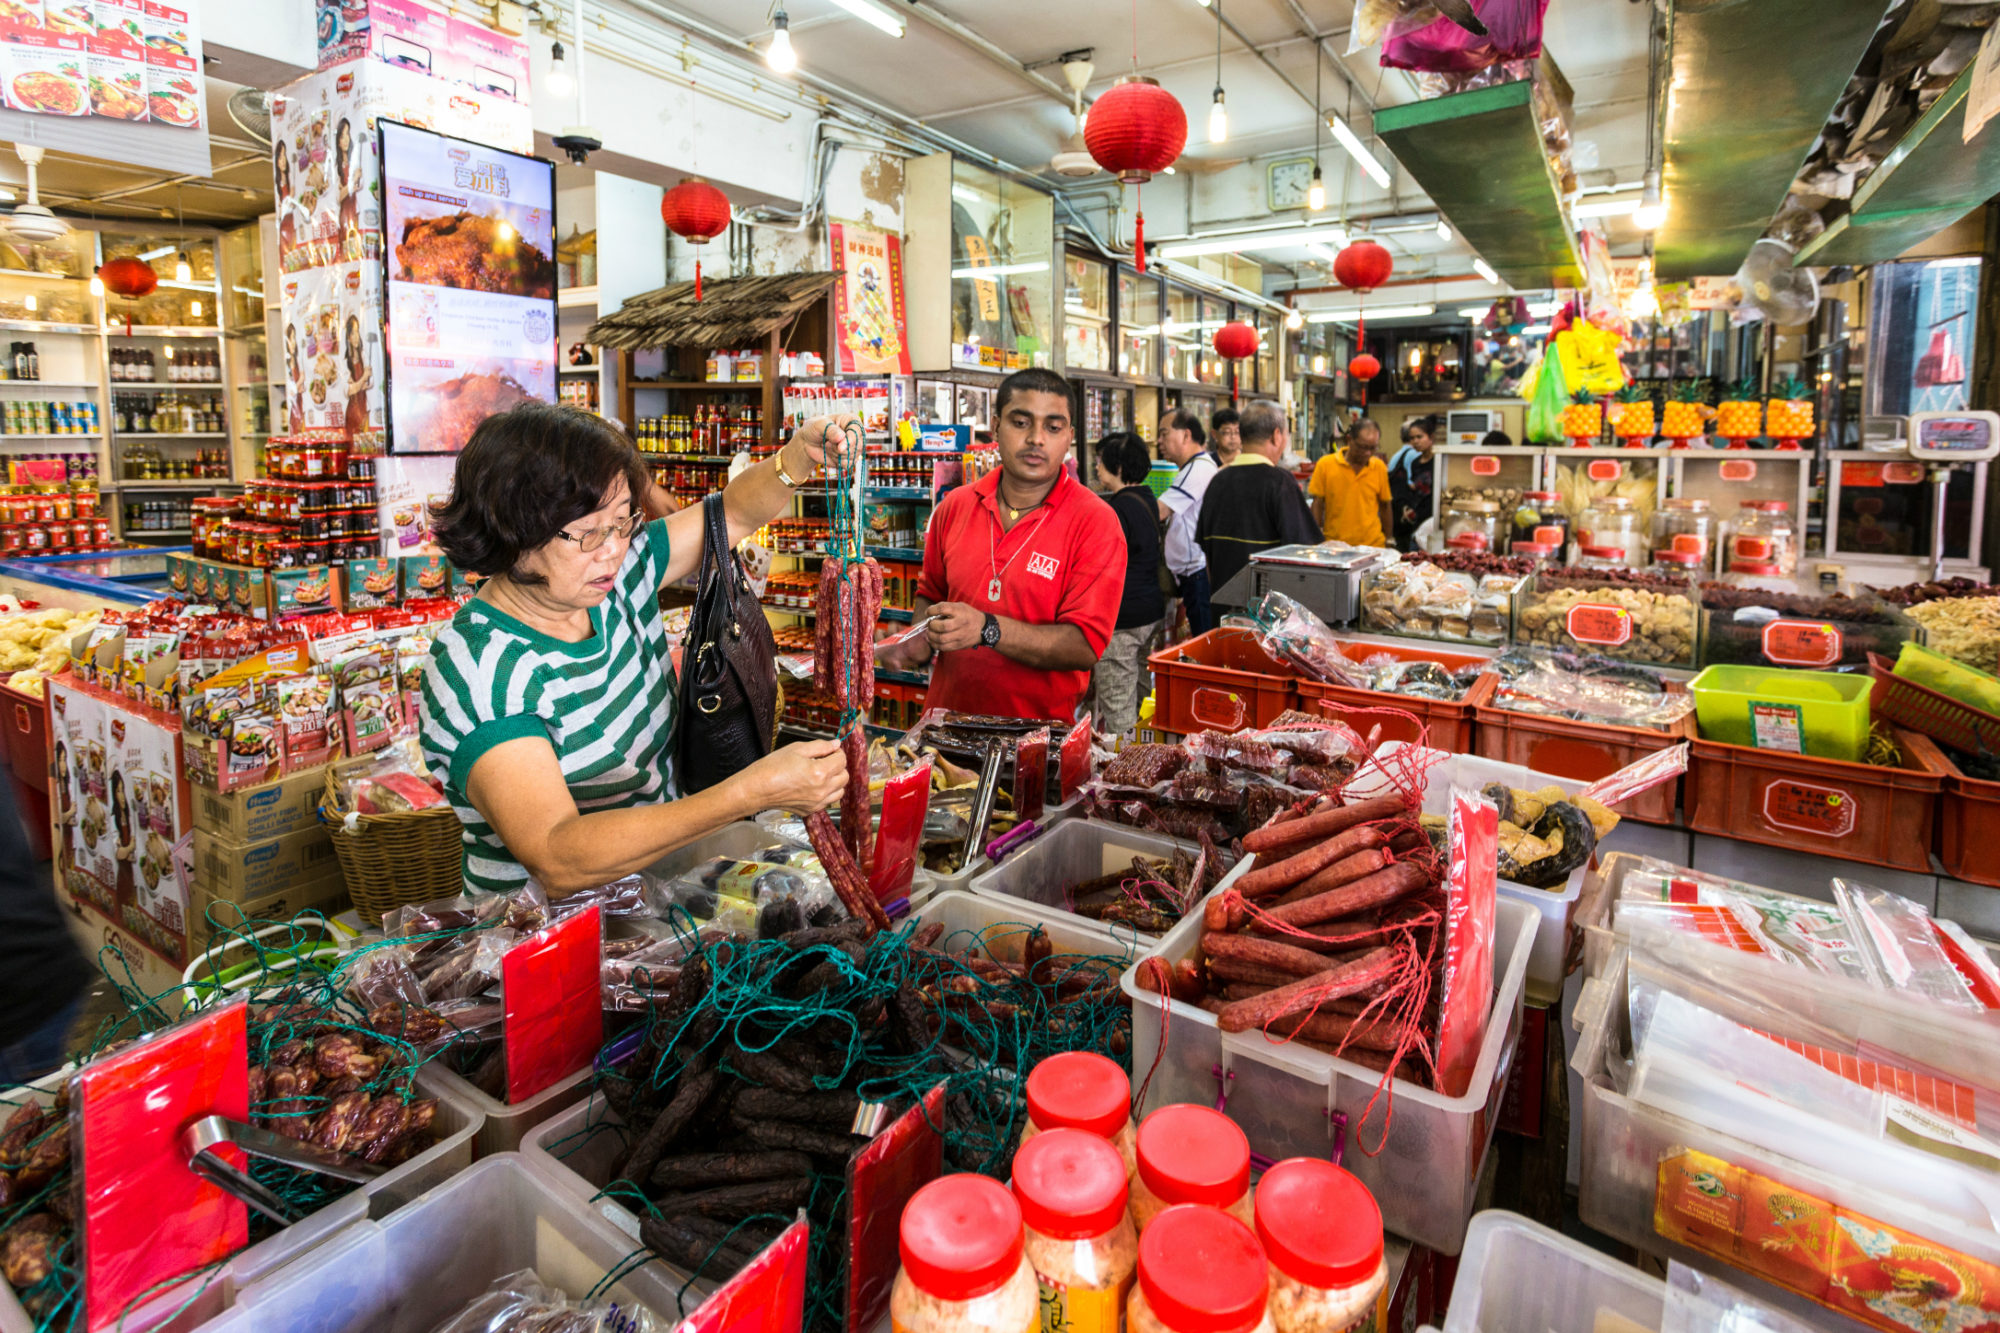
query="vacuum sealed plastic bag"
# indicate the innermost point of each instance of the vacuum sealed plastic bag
(1587, 688)
(522, 1303)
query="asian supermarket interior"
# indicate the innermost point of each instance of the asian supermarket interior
(648, 646)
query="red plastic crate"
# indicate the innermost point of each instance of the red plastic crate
(1584, 751)
(1449, 725)
(1856, 812)
(1220, 681)
(25, 719)
(1902, 701)
(1968, 819)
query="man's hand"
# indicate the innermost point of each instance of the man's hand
(909, 656)
(954, 627)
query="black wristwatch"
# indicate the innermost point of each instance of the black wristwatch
(990, 636)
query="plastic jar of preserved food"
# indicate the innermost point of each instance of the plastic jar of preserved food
(1602, 557)
(1678, 564)
(1472, 516)
(287, 555)
(1200, 1271)
(1543, 554)
(1686, 525)
(1764, 535)
(1080, 1242)
(1761, 575)
(1539, 518)
(45, 506)
(965, 1268)
(1613, 521)
(85, 503)
(1322, 1231)
(1190, 1154)
(64, 504)
(1080, 1090)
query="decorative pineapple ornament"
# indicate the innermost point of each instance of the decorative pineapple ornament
(1789, 415)
(1635, 417)
(1739, 418)
(1583, 419)
(1681, 421)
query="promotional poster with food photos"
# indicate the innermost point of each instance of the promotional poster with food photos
(470, 240)
(131, 60)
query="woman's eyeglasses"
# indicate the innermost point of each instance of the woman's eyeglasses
(596, 537)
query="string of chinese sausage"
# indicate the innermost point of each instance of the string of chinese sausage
(849, 602)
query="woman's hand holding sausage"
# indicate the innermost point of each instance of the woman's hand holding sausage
(806, 777)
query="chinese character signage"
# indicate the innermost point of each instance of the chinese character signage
(868, 301)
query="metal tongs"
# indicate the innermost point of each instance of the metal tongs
(201, 1139)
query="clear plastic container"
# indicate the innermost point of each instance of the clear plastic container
(1516, 1274)
(1080, 1240)
(1480, 518)
(1540, 518)
(1200, 1271)
(1602, 557)
(1543, 554)
(1676, 564)
(1763, 534)
(1613, 521)
(1687, 526)
(1082, 1090)
(1760, 575)
(965, 1266)
(1322, 1231)
(1191, 1154)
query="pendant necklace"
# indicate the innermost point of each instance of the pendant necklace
(993, 588)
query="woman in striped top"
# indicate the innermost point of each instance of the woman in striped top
(549, 698)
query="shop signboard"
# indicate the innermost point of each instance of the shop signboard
(469, 260)
(868, 301)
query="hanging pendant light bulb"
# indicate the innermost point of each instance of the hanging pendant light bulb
(560, 83)
(1652, 209)
(1218, 114)
(1316, 193)
(779, 54)
(97, 281)
(183, 271)
(1295, 319)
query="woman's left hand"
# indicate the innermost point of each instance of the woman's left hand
(822, 440)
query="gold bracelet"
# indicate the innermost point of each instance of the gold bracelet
(784, 477)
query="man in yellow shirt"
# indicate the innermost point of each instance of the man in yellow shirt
(1350, 491)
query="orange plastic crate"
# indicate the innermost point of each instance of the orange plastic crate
(1583, 751)
(1220, 681)
(1438, 723)
(1856, 812)
(25, 719)
(1968, 819)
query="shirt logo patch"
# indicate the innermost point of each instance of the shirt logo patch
(1044, 565)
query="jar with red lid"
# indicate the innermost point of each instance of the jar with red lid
(1190, 1154)
(965, 1267)
(1200, 1271)
(1680, 564)
(86, 503)
(63, 504)
(1082, 1090)
(1071, 1185)
(318, 552)
(1543, 554)
(313, 457)
(34, 538)
(100, 531)
(58, 537)
(20, 506)
(261, 541)
(287, 555)
(290, 503)
(312, 524)
(1602, 557)
(82, 535)
(335, 521)
(1322, 1231)
(11, 538)
(45, 506)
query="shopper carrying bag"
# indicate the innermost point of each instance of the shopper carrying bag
(729, 667)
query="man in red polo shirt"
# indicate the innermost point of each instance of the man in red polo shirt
(1023, 570)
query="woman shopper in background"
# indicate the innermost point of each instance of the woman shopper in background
(1118, 681)
(1410, 481)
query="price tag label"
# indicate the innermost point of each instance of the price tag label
(1737, 469)
(1803, 807)
(1552, 535)
(552, 1003)
(1594, 622)
(1687, 543)
(1778, 727)
(1902, 474)
(1076, 757)
(1604, 469)
(1801, 643)
(1486, 466)
(145, 1217)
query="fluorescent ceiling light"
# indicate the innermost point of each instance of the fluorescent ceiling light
(1000, 270)
(151, 255)
(1963, 261)
(1536, 309)
(870, 12)
(1256, 240)
(967, 194)
(1359, 151)
(1484, 269)
(1605, 208)
(1444, 230)
(1381, 312)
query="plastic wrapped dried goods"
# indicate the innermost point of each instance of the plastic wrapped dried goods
(1191, 1154)
(1144, 765)
(523, 1301)
(1322, 1231)
(965, 1266)
(1290, 632)
(1071, 1186)
(1082, 1090)
(1200, 1271)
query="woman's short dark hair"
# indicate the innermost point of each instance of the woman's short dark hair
(526, 474)
(1124, 456)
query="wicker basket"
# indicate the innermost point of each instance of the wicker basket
(394, 860)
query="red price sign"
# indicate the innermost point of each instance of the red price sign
(1737, 469)
(767, 1296)
(144, 1217)
(552, 1003)
(1902, 474)
(1604, 469)
(1485, 466)
(1594, 622)
(1803, 807)
(1687, 543)
(1801, 643)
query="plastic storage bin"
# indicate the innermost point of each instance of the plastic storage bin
(1584, 751)
(1968, 826)
(1403, 717)
(1220, 681)
(410, 1272)
(25, 719)
(1283, 1096)
(1857, 812)
(1068, 853)
(1515, 1275)
(502, 1127)
(1831, 718)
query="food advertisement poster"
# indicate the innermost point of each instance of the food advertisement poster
(132, 60)
(469, 257)
(413, 35)
(868, 301)
(332, 346)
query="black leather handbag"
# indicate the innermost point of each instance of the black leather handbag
(729, 668)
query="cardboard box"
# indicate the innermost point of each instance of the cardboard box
(260, 813)
(240, 872)
(215, 918)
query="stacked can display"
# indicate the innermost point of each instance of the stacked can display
(316, 507)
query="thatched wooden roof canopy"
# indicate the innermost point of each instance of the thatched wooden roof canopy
(732, 312)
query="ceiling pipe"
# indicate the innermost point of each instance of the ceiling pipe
(975, 41)
(1307, 29)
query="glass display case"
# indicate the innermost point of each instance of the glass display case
(1422, 601)
(1500, 475)
(1632, 615)
(1748, 625)
(1086, 314)
(1138, 325)
(1270, 344)
(174, 303)
(1003, 278)
(1209, 366)
(1181, 335)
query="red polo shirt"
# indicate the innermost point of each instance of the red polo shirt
(1063, 564)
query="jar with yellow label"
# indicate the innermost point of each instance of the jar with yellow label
(965, 1267)
(1322, 1231)
(1080, 1241)
(1200, 1271)
(1082, 1090)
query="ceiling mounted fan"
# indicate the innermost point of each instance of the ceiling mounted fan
(30, 223)
(1073, 159)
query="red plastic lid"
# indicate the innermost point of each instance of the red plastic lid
(1759, 568)
(1534, 548)
(1767, 506)
(1676, 557)
(1603, 552)
(1070, 1185)
(961, 1237)
(1079, 1090)
(1540, 495)
(1203, 1271)
(1192, 1154)
(1469, 541)
(1319, 1223)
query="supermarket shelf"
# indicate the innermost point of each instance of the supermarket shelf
(579, 370)
(175, 384)
(36, 326)
(897, 492)
(43, 384)
(896, 553)
(94, 435)
(161, 331)
(142, 534)
(1722, 181)
(1479, 155)
(195, 484)
(730, 386)
(124, 436)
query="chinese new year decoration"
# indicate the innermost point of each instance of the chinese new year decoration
(1236, 342)
(1739, 418)
(1635, 417)
(696, 212)
(1583, 419)
(130, 277)
(1362, 267)
(1136, 130)
(1788, 416)
(1680, 420)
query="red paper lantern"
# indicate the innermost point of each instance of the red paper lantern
(1364, 367)
(696, 212)
(1363, 266)
(1136, 129)
(1235, 341)
(130, 277)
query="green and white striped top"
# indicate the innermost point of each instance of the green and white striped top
(606, 704)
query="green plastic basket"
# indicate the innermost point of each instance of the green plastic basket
(1830, 711)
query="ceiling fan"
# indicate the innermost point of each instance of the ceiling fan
(30, 223)
(1073, 159)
